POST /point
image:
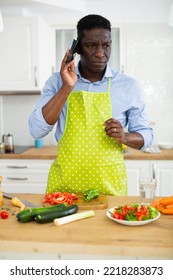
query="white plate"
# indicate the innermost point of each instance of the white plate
(165, 145)
(129, 223)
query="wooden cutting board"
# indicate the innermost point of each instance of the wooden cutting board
(100, 202)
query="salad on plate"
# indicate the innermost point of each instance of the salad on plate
(133, 214)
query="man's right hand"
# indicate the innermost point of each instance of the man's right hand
(68, 74)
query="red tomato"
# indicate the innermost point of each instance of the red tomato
(118, 216)
(58, 197)
(4, 214)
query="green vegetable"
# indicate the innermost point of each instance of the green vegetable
(47, 217)
(74, 217)
(153, 212)
(90, 194)
(28, 215)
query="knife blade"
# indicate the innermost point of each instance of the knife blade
(27, 203)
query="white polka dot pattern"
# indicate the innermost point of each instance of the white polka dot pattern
(87, 157)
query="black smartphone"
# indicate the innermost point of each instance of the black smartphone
(72, 51)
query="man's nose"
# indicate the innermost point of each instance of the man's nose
(99, 52)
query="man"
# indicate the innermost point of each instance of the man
(91, 106)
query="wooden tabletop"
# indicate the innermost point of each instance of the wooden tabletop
(50, 152)
(93, 236)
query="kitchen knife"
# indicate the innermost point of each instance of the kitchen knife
(27, 203)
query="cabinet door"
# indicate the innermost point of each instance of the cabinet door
(164, 175)
(22, 53)
(24, 176)
(135, 170)
(16, 47)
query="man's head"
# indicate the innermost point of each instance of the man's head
(94, 48)
(90, 22)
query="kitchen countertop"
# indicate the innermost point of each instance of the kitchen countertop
(93, 236)
(49, 152)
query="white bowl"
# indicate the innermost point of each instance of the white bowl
(165, 145)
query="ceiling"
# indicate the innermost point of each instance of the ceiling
(116, 10)
(46, 6)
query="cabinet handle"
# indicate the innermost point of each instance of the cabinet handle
(153, 171)
(35, 76)
(17, 166)
(17, 178)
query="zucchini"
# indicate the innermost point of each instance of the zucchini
(47, 217)
(28, 215)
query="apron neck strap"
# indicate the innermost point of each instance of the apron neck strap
(109, 84)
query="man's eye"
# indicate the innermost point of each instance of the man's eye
(91, 46)
(107, 46)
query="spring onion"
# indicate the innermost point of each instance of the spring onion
(74, 217)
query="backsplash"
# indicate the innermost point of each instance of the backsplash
(148, 58)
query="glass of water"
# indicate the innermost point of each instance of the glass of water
(147, 188)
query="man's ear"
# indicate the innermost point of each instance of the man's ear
(78, 49)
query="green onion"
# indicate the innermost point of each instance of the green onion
(74, 217)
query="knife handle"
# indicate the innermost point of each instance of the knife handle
(7, 195)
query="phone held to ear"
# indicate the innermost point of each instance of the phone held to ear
(72, 51)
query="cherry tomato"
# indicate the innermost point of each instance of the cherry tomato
(4, 214)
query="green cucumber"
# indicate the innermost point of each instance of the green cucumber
(47, 217)
(28, 215)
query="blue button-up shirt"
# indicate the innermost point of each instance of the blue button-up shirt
(127, 100)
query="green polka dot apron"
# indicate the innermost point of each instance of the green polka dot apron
(88, 158)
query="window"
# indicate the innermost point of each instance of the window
(64, 39)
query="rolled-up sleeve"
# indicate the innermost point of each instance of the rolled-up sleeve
(38, 127)
(138, 120)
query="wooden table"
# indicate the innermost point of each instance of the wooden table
(89, 237)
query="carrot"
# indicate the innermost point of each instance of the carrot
(168, 211)
(160, 208)
(155, 203)
(169, 206)
(166, 200)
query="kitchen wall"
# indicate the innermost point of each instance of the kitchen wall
(149, 57)
(147, 54)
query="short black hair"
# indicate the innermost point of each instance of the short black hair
(92, 21)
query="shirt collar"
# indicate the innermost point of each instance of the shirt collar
(108, 73)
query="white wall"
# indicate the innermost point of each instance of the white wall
(16, 110)
(149, 58)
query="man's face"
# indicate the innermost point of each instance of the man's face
(95, 50)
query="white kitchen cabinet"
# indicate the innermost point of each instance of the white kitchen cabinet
(135, 170)
(24, 176)
(164, 174)
(161, 169)
(24, 54)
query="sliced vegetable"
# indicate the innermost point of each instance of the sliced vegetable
(15, 201)
(74, 217)
(47, 217)
(134, 212)
(59, 197)
(90, 194)
(28, 215)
